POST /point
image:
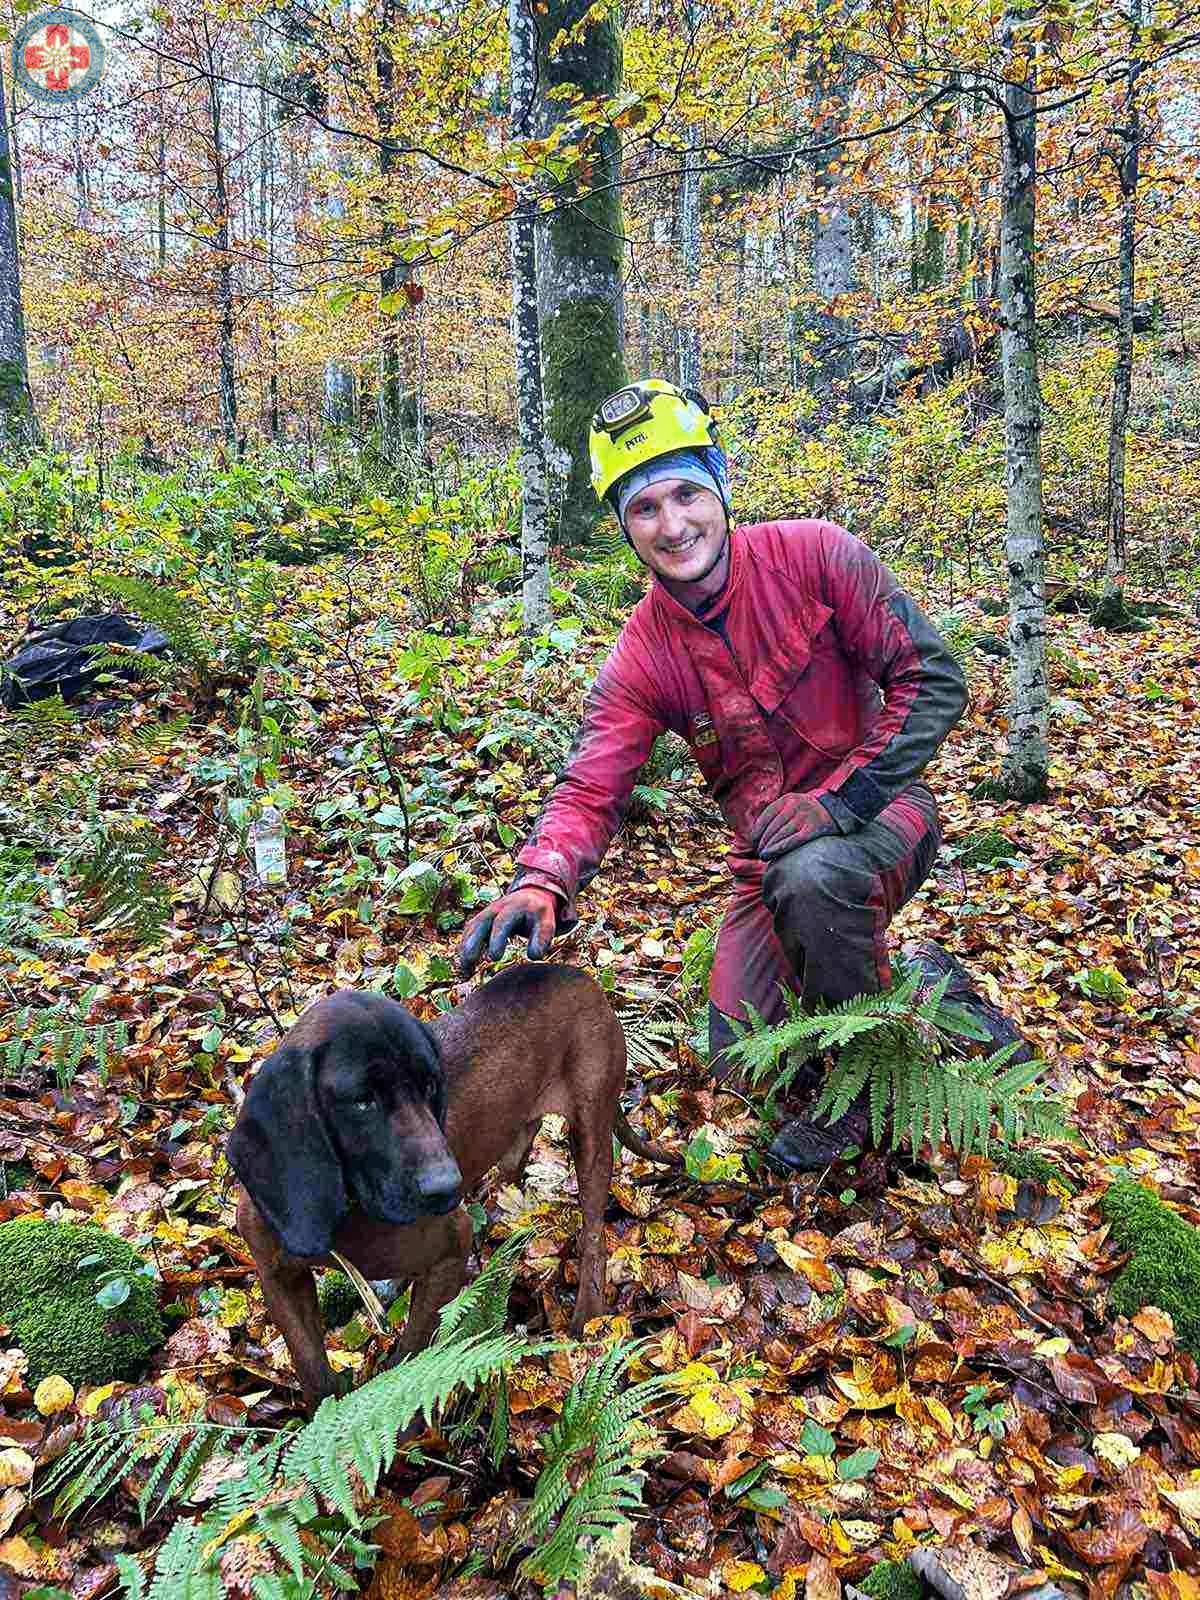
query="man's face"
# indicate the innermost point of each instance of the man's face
(677, 528)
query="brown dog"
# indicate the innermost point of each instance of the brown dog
(362, 1131)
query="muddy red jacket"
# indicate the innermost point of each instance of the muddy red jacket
(812, 671)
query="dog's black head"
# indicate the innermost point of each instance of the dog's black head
(350, 1109)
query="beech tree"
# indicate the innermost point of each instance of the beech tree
(580, 250)
(15, 403)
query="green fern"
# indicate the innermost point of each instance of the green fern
(908, 1057)
(174, 614)
(594, 1434)
(60, 1030)
(293, 1488)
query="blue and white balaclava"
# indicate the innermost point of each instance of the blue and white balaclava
(705, 466)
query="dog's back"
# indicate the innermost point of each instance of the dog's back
(536, 1038)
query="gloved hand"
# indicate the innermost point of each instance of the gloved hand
(529, 911)
(789, 822)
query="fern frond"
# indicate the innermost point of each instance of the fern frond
(905, 1055)
(361, 1428)
(481, 1307)
(595, 1425)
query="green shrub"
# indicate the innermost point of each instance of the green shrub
(1165, 1267)
(49, 1301)
(892, 1580)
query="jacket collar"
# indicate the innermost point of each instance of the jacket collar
(668, 607)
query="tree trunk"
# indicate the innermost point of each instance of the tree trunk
(396, 407)
(162, 167)
(580, 256)
(16, 404)
(688, 353)
(227, 376)
(1025, 763)
(338, 405)
(832, 259)
(1127, 170)
(527, 341)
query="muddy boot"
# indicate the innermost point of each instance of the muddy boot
(934, 963)
(804, 1145)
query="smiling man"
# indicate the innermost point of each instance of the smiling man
(812, 691)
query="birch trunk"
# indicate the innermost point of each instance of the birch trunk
(527, 341)
(580, 256)
(1025, 763)
(16, 404)
(1127, 170)
(395, 404)
(224, 286)
(687, 364)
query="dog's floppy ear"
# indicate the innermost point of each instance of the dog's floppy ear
(282, 1153)
(441, 1096)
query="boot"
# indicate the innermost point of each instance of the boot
(803, 1145)
(934, 963)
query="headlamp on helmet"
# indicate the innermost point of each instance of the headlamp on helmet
(642, 421)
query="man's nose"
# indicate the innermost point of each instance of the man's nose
(674, 520)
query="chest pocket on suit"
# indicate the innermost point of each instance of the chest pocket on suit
(822, 702)
(788, 656)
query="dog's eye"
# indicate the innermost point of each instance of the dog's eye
(365, 1102)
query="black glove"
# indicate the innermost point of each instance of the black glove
(531, 911)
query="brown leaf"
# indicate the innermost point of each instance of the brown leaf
(821, 1581)
(1022, 1532)
(1117, 1540)
(1070, 1381)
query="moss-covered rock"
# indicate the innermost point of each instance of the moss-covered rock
(892, 1580)
(338, 1299)
(49, 1301)
(1027, 1165)
(1165, 1267)
(984, 848)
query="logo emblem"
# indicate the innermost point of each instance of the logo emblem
(703, 732)
(58, 57)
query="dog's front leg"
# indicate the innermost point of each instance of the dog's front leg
(290, 1293)
(291, 1300)
(435, 1284)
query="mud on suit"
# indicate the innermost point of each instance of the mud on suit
(813, 672)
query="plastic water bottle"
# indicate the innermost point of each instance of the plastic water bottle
(270, 846)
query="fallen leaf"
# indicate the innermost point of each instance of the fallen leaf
(52, 1395)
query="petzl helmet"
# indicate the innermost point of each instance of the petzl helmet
(642, 421)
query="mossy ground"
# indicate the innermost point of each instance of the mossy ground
(338, 1299)
(1165, 1267)
(49, 1302)
(1027, 1164)
(892, 1580)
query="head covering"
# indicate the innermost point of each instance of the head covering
(706, 467)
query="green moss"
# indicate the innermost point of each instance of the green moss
(582, 363)
(338, 1299)
(17, 1175)
(49, 1302)
(892, 1580)
(1165, 1266)
(1025, 1164)
(984, 848)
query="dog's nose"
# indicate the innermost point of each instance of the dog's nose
(440, 1182)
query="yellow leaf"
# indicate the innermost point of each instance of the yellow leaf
(16, 1467)
(234, 1308)
(798, 1260)
(940, 1415)
(96, 1399)
(1053, 1347)
(1115, 1450)
(739, 1575)
(53, 1394)
(705, 1414)
(342, 1360)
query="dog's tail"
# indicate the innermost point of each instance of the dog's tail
(638, 1146)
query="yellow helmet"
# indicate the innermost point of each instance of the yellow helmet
(642, 421)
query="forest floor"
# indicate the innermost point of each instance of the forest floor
(904, 1353)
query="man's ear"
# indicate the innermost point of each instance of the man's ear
(282, 1153)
